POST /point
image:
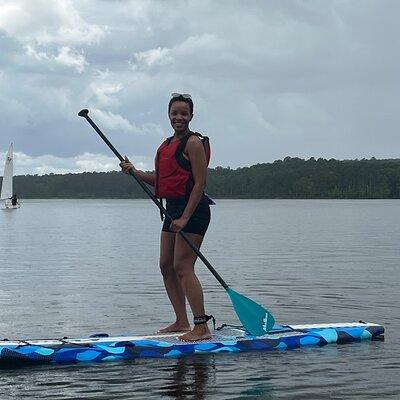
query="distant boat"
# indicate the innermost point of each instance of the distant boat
(7, 196)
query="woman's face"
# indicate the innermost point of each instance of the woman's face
(180, 116)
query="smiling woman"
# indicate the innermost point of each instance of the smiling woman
(180, 177)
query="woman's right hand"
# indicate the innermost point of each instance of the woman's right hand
(127, 166)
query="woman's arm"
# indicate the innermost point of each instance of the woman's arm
(147, 177)
(197, 157)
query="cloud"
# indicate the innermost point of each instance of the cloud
(86, 162)
(106, 94)
(70, 59)
(191, 47)
(159, 56)
(111, 121)
(194, 50)
(66, 56)
(47, 22)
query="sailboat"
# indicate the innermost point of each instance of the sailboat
(7, 194)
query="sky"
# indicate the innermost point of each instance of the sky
(269, 79)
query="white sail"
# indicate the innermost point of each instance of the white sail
(7, 185)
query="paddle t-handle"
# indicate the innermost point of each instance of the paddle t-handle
(83, 112)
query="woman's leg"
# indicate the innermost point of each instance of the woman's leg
(184, 260)
(172, 284)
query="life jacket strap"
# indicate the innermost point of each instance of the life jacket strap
(180, 158)
(161, 213)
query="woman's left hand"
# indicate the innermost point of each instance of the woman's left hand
(178, 224)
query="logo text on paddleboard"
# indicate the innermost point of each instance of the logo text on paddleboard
(265, 322)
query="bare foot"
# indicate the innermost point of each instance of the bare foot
(176, 327)
(199, 332)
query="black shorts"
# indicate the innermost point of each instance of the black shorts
(198, 222)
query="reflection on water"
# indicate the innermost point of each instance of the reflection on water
(188, 377)
(67, 270)
(179, 378)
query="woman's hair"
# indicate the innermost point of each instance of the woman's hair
(181, 98)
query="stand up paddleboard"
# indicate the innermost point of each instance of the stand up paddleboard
(225, 340)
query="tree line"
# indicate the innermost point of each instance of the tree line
(290, 178)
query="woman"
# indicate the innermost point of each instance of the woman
(183, 187)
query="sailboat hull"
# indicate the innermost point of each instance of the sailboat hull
(8, 205)
(11, 207)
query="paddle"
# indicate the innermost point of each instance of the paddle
(254, 317)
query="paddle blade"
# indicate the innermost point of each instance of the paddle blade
(254, 317)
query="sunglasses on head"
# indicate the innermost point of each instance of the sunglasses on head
(184, 95)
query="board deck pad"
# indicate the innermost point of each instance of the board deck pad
(225, 340)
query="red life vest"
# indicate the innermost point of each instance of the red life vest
(174, 178)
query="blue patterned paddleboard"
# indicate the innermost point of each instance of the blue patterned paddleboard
(225, 340)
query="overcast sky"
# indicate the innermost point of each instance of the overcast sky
(268, 78)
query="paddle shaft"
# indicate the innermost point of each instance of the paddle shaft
(155, 201)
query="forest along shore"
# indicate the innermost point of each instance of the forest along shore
(290, 178)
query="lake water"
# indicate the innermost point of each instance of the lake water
(78, 267)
